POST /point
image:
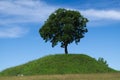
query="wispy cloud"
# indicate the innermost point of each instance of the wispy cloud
(15, 12)
(26, 10)
(12, 32)
(99, 18)
(102, 14)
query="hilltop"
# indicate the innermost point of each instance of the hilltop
(59, 64)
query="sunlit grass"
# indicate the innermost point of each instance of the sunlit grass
(59, 64)
(105, 76)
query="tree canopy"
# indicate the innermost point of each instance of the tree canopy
(64, 26)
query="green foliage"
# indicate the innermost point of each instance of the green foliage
(64, 26)
(102, 61)
(59, 64)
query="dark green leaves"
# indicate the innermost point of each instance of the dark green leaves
(64, 26)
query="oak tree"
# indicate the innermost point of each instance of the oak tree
(64, 26)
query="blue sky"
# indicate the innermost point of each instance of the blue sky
(20, 21)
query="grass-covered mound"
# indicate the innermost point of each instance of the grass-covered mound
(59, 64)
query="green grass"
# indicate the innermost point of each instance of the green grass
(59, 64)
(103, 76)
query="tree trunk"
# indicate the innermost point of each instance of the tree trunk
(66, 51)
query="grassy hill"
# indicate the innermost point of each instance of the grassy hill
(59, 64)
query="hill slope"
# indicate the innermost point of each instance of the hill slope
(59, 64)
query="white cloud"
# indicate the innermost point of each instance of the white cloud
(12, 32)
(14, 12)
(99, 18)
(29, 11)
(101, 14)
